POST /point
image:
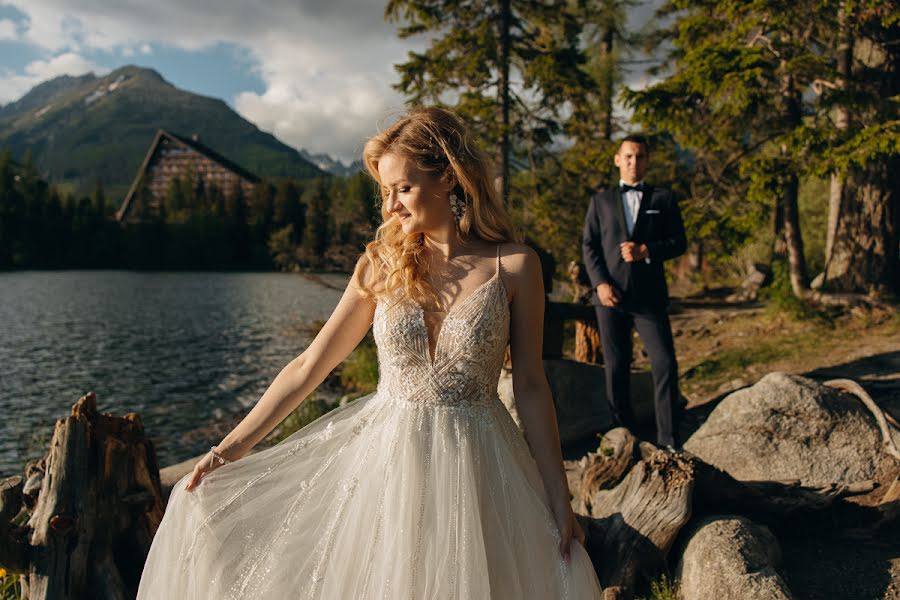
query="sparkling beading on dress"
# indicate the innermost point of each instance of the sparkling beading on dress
(424, 489)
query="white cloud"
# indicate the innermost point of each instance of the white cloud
(326, 64)
(14, 85)
(8, 30)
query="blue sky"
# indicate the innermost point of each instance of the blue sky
(315, 73)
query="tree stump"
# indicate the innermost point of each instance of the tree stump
(587, 335)
(97, 511)
(633, 525)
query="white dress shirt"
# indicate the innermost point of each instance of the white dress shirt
(631, 203)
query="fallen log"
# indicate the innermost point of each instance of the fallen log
(99, 505)
(633, 525)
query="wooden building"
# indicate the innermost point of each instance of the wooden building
(172, 156)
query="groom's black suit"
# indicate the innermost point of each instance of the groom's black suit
(643, 295)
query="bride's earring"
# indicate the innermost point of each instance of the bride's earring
(458, 207)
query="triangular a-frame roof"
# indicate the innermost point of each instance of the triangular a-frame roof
(187, 144)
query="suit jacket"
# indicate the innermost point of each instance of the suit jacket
(658, 225)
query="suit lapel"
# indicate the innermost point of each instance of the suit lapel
(619, 210)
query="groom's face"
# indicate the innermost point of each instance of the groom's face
(632, 162)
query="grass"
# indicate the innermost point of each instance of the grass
(359, 371)
(662, 588)
(308, 411)
(10, 586)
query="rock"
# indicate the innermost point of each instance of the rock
(818, 281)
(730, 557)
(579, 395)
(758, 275)
(787, 427)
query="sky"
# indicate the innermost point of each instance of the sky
(317, 74)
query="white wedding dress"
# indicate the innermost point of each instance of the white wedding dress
(424, 489)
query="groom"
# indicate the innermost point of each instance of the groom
(629, 231)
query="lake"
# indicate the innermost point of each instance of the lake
(181, 349)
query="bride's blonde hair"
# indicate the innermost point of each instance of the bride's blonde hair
(438, 142)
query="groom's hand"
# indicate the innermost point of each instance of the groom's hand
(608, 295)
(632, 252)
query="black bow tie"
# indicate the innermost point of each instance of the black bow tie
(639, 187)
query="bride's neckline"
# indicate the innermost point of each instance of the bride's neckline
(431, 349)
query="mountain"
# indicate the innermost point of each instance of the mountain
(80, 129)
(333, 166)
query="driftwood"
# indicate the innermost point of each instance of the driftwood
(885, 421)
(99, 505)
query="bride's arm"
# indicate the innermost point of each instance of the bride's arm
(342, 332)
(534, 401)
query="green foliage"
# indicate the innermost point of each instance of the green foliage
(359, 372)
(319, 224)
(782, 299)
(10, 586)
(308, 411)
(282, 251)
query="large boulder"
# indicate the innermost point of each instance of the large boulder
(730, 557)
(787, 427)
(579, 395)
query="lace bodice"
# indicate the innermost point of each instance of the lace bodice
(468, 353)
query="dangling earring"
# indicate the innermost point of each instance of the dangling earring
(458, 207)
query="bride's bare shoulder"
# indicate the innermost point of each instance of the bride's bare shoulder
(521, 270)
(518, 258)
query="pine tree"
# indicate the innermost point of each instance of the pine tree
(477, 49)
(735, 98)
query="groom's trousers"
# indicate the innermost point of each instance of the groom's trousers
(653, 327)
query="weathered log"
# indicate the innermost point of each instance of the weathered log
(851, 387)
(632, 526)
(98, 508)
(606, 467)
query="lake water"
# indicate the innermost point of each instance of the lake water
(180, 349)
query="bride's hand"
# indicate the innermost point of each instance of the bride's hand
(204, 466)
(568, 528)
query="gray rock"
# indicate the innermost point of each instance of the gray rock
(730, 557)
(789, 427)
(579, 395)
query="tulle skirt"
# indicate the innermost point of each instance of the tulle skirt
(380, 498)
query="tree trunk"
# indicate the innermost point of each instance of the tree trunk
(790, 107)
(844, 58)
(864, 253)
(98, 509)
(608, 83)
(503, 99)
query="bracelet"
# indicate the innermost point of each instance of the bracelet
(216, 456)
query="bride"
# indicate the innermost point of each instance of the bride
(425, 489)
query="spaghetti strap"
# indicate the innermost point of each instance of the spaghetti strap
(498, 260)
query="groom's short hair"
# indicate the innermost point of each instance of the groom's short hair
(635, 138)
